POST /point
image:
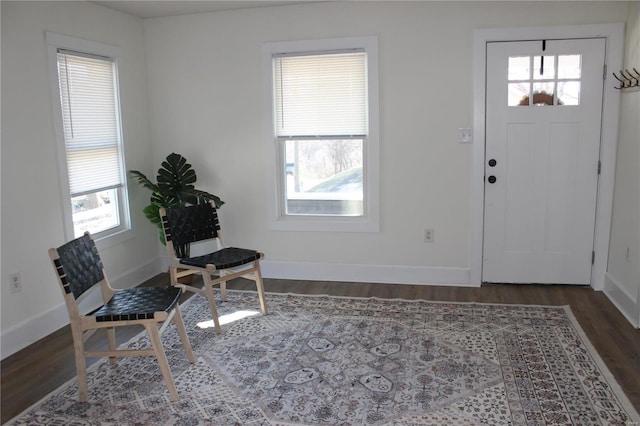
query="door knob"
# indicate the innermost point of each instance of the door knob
(492, 179)
(492, 163)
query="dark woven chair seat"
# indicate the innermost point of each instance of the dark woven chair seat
(137, 304)
(228, 257)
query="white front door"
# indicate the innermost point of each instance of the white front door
(543, 123)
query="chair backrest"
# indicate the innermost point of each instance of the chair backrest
(78, 265)
(186, 225)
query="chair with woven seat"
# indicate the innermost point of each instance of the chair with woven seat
(79, 268)
(196, 224)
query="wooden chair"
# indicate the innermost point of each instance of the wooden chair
(79, 268)
(187, 225)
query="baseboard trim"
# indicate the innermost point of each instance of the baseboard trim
(33, 329)
(627, 304)
(387, 274)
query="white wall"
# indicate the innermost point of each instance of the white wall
(31, 195)
(203, 80)
(623, 277)
(206, 96)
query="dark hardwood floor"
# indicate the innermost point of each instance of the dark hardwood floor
(33, 372)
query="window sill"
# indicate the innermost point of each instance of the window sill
(324, 224)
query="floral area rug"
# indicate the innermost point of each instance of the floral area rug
(320, 360)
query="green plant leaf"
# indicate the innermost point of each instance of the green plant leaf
(196, 196)
(161, 235)
(175, 188)
(144, 180)
(175, 177)
(152, 212)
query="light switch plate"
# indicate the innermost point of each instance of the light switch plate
(466, 136)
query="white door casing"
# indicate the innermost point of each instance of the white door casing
(614, 35)
(540, 193)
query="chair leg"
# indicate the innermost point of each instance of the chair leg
(111, 338)
(156, 343)
(212, 301)
(223, 287)
(177, 320)
(81, 363)
(260, 288)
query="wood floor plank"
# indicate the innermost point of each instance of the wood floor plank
(37, 370)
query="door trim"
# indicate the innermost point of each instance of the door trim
(614, 35)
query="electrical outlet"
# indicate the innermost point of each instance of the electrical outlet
(15, 282)
(428, 235)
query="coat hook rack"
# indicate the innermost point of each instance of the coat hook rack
(629, 81)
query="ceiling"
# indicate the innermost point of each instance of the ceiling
(159, 8)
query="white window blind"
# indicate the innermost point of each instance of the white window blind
(90, 121)
(321, 95)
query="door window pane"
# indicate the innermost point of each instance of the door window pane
(569, 93)
(569, 66)
(543, 93)
(519, 68)
(544, 69)
(518, 93)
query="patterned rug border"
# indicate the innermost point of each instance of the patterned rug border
(609, 377)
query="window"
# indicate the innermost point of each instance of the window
(91, 155)
(544, 80)
(323, 99)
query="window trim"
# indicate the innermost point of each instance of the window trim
(277, 218)
(54, 42)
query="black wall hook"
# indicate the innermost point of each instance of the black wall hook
(628, 79)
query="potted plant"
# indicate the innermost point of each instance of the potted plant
(174, 188)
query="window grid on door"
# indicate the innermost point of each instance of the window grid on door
(546, 80)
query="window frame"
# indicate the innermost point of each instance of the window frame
(278, 219)
(123, 231)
